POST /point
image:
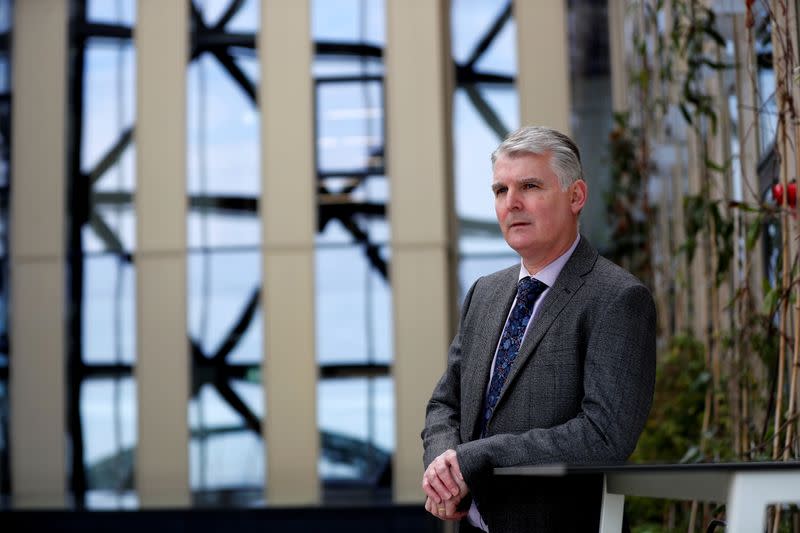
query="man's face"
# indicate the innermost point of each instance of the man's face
(538, 219)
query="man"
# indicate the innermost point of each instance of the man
(553, 362)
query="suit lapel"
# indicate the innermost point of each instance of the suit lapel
(481, 353)
(569, 281)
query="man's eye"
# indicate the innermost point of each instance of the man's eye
(530, 186)
(498, 192)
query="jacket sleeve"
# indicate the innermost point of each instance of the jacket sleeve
(443, 415)
(618, 382)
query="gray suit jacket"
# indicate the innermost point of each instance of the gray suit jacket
(579, 391)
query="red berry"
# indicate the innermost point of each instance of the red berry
(777, 193)
(791, 194)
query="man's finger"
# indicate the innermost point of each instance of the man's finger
(444, 511)
(452, 461)
(430, 491)
(436, 509)
(451, 511)
(442, 492)
(442, 469)
(463, 489)
(450, 507)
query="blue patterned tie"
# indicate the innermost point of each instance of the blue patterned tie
(528, 291)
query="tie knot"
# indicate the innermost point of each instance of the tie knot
(529, 289)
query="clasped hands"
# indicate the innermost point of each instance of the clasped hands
(445, 487)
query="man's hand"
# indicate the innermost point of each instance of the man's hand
(447, 511)
(445, 487)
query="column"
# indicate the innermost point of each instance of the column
(37, 315)
(543, 63)
(288, 218)
(418, 103)
(162, 366)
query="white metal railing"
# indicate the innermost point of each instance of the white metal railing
(745, 488)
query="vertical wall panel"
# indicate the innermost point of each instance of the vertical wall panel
(288, 215)
(418, 90)
(162, 369)
(543, 63)
(37, 373)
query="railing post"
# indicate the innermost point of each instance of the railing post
(611, 510)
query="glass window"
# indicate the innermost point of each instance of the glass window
(108, 408)
(122, 12)
(353, 297)
(356, 418)
(226, 449)
(485, 109)
(101, 345)
(351, 283)
(355, 22)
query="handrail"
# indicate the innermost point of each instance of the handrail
(746, 488)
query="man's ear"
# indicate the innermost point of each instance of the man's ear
(577, 196)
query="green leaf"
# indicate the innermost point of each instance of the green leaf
(715, 65)
(713, 117)
(713, 165)
(771, 300)
(742, 206)
(753, 232)
(689, 247)
(643, 79)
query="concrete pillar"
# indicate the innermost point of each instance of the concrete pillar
(162, 366)
(419, 117)
(37, 315)
(288, 207)
(543, 63)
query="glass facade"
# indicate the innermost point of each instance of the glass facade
(355, 399)
(101, 341)
(353, 296)
(6, 13)
(485, 109)
(353, 299)
(226, 450)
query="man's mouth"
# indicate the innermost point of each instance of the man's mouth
(517, 224)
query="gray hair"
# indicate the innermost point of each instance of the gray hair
(565, 161)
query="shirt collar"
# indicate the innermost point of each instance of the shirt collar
(549, 273)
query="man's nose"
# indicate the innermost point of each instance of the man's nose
(513, 200)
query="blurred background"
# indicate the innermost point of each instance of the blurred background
(234, 234)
